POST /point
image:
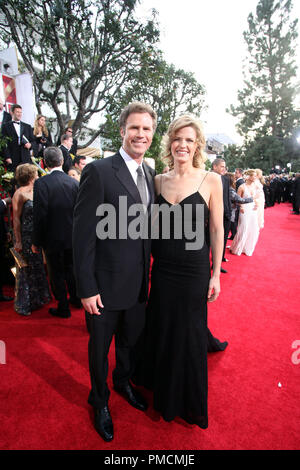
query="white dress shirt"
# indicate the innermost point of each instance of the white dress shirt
(57, 168)
(132, 166)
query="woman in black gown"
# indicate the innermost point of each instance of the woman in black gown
(174, 364)
(31, 289)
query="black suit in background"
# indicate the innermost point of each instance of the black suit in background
(73, 149)
(117, 269)
(6, 118)
(68, 162)
(238, 183)
(15, 147)
(54, 198)
(227, 209)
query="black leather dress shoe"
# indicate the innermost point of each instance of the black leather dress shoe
(133, 397)
(223, 270)
(59, 313)
(104, 424)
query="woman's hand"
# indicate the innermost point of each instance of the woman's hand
(214, 288)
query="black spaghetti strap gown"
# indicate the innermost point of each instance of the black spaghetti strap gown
(174, 360)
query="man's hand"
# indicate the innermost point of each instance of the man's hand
(27, 145)
(8, 161)
(92, 304)
(18, 247)
(35, 249)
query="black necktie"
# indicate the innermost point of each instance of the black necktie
(16, 122)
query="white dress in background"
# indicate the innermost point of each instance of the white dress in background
(260, 203)
(248, 230)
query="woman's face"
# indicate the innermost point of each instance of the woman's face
(42, 121)
(252, 177)
(74, 174)
(184, 145)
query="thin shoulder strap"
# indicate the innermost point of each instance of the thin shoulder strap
(202, 181)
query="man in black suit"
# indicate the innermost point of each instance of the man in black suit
(238, 178)
(4, 237)
(69, 131)
(18, 148)
(54, 198)
(219, 166)
(66, 144)
(112, 272)
(4, 115)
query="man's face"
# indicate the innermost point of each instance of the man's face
(220, 168)
(137, 135)
(69, 132)
(17, 114)
(237, 174)
(81, 164)
(68, 143)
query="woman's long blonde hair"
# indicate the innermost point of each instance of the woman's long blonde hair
(259, 174)
(37, 125)
(184, 121)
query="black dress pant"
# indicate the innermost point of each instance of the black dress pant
(226, 223)
(127, 326)
(61, 276)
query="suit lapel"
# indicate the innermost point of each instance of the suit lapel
(13, 130)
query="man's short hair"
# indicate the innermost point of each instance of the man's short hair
(137, 107)
(53, 157)
(217, 161)
(240, 170)
(15, 106)
(77, 159)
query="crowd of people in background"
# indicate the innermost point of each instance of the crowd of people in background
(246, 193)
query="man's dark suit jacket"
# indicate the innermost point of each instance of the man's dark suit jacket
(68, 162)
(6, 118)
(226, 197)
(117, 269)
(54, 198)
(238, 183)
(18, 153)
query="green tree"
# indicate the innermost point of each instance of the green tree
(234, 157)
(79, 52)
(169, 90)
(266, 103)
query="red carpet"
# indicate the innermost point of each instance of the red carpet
(45, 381)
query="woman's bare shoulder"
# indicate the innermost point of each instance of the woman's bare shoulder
(212, 177)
